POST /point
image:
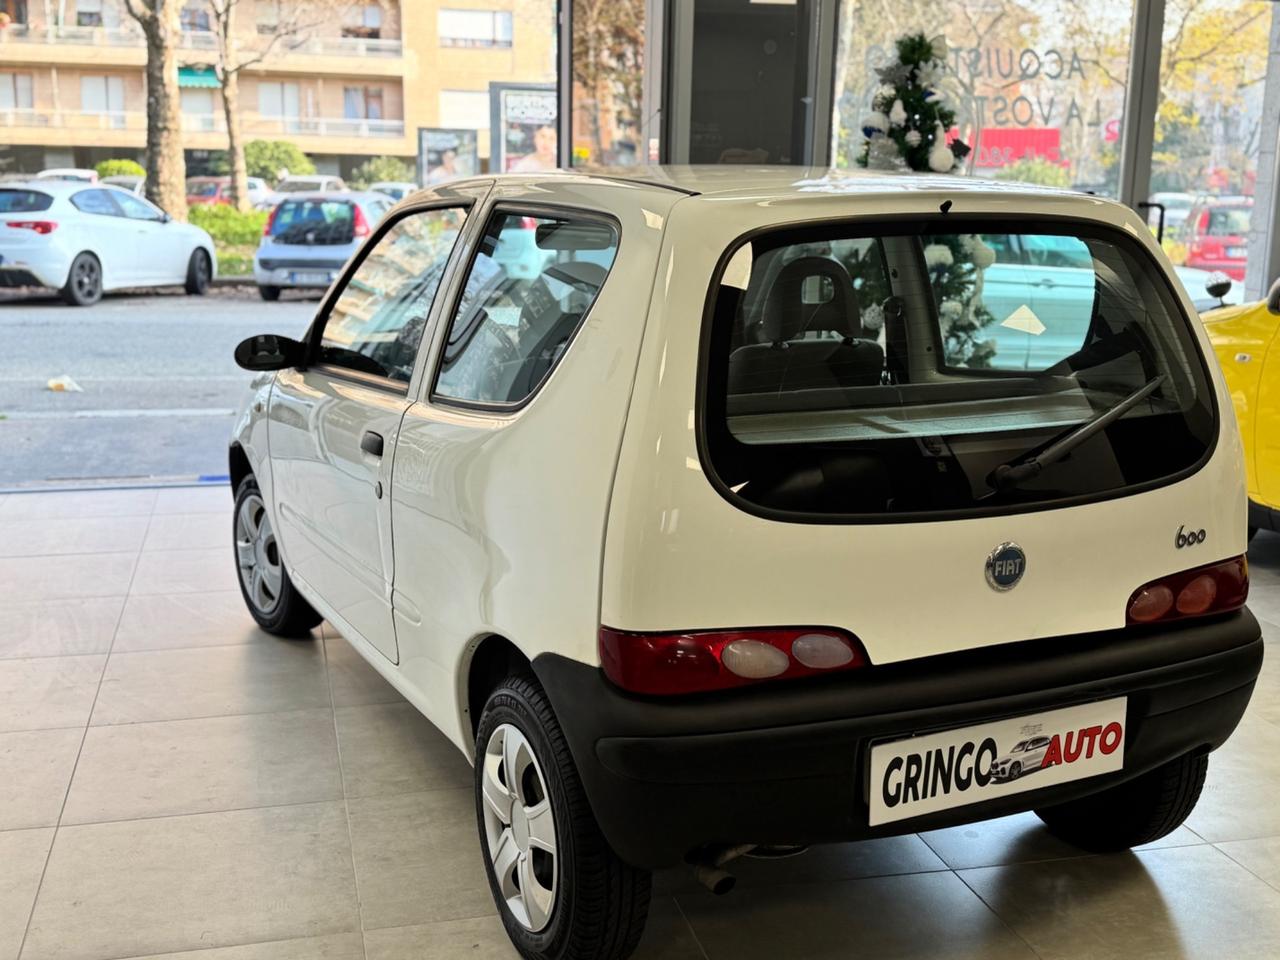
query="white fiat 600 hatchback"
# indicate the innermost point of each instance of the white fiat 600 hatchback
(727, 511)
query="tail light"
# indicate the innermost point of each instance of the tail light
(42, 227)
(271, 222)
(1215, 588)
(360, 226)
(699, 661)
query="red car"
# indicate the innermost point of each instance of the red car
(209, 190)
(1217, 234)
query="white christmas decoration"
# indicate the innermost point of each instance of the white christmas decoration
(897, 114)
(938, 255)
(886, 90)
(913, 138)
(981, 255)
(941, 159)
(876, 121)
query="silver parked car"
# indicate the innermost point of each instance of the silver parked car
(310, 236)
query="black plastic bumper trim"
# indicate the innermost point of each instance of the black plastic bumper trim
(787, 763)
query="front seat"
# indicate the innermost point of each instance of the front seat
(807, 346)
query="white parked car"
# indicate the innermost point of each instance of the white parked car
(127, 181)
(76, 174)
(84, 239)
(694, 539)
(396, 190)
(313, 183)
(309, 237)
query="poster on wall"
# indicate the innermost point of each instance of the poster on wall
(445, 154)
(522, 131)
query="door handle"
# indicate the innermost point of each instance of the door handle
(371, 443)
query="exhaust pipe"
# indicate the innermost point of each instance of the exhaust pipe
(707, 867)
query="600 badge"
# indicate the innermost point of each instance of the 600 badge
(1188, 539)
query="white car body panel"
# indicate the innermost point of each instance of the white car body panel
(668, 526)
(590, 504)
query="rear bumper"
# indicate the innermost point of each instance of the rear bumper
(790, 764)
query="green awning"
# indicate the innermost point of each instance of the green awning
(197, 77)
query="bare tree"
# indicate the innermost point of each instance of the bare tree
(166, 165)
(289, 30)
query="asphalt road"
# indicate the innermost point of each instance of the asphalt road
(159, 383)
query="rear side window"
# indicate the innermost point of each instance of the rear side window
(24, 201)
(377, 321)
(531, 283)
(314, 222)
(869, 372)
(98, 202)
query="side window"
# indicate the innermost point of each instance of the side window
(376, 324)
(136, 208)
(99, 202)
(531, 283)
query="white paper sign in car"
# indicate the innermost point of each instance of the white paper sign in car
(910, 778)
(1025, 320)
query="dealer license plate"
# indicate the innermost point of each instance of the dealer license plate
(922, 775)
(309, 277)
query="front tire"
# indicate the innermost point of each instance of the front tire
(1131, 814)
(562, 893)
(268, 293)
(199, 273)
(84, 281)
(268, 592)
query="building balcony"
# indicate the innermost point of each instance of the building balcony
(74, 119)
(255, 126)
(125, 46)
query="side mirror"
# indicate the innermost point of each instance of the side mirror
(1273, 298)
(1218, 285)
(166, 218)
(269, 351)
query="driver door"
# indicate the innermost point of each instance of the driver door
(333, 425)
(160, 259)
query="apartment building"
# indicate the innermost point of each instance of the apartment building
(360, 84)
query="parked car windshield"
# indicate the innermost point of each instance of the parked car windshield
(24, 201)
(855, 371)
(314, 222)
(299, 186)
(205, 189)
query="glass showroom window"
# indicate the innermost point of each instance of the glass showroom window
(1210, 127)
(608, 66)
(1038, 85)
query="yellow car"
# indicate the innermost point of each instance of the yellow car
(1247, 341)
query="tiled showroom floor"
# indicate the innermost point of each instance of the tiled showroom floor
(172, 780)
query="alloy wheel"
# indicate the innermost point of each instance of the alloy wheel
(520, 827)
(86, 277)
(257, 554)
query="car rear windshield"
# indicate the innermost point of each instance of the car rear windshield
(299, 186)
(24, 201)
(872, 371)
(314, 222)
(203, 189)
(1229, 221)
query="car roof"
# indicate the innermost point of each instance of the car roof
(335, 195)
(55, 187)
(754, 184)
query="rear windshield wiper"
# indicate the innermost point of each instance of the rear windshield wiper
(1016, 471)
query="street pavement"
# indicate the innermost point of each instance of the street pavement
(159, 383)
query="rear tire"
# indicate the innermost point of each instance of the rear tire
(199, 273)
(84, 281)
(586, 903)
(270, 294)
(1131, 814)
(268, 592)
